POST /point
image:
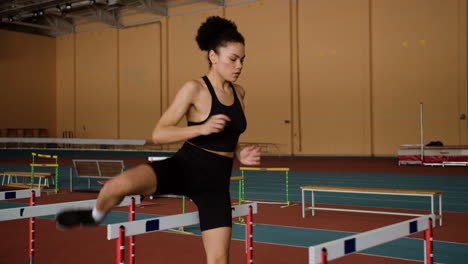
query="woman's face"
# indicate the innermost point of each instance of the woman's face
(229, 60)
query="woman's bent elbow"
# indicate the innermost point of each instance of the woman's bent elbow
(156, 138)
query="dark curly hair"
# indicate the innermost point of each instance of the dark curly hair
(217, 31)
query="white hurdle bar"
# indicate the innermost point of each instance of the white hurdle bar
(33, 211)
(168, 222)
(19, 194)
(120, 230)
(53, 209)
(344, 246)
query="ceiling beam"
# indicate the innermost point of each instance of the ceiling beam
(101, 15)
(217, 2)
(154, 6)
(59, 24)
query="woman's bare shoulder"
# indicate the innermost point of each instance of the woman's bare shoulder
(239, 90)
(191, 87)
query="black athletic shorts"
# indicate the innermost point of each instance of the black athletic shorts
(202, 176)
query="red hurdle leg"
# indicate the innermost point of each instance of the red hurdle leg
(131, 239)
(120, 247)
(249, 237)
(32, 229)
(324, 256)
(428, 240)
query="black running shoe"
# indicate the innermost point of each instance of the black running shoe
(76, 217)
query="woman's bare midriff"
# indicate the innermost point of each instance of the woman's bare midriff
(225, 154)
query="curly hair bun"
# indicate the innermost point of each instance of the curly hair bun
(216, 30)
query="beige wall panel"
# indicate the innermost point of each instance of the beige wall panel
(132, 17)
(96, 84)
(186, 7)
(27, 81)
(266, 75)
(139, 80)
(463, 70)
(415, 59)
(334, 77)
(86, 26)
(65, 84)
(186, 61)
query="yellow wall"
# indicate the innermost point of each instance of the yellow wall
(266, 75)
(65, 84)
(346, 76)
(27, 81)
(334, 85)
(139, 80)
(417, 58)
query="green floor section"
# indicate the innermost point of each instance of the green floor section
(260, 185)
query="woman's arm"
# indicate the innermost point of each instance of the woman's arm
(249, 155)
(167, 131)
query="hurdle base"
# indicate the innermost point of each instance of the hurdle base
(285, 204)
(289, 205)
(241, 221)
(181, 230)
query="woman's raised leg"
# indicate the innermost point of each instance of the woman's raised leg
(139, 180)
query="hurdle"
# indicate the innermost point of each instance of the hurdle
(55, 165)
(286, 203)
(132, 228)
(33, 210)
(53, 209)
(325, 252)
(18, 194)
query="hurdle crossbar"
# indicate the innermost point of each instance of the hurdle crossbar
(19, 194)
(352, 244)
(168, 222)
(53, 209)
(286, 203)
(263, 169)
(75, 141)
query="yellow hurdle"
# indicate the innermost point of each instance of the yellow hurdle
(44, 165)
(45, 156)
(287, 203)
(237, 178)
(263, 169)
(50, 165)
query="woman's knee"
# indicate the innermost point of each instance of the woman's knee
(218, 258)
(216, 242)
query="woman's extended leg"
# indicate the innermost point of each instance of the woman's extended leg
(139, 180)
(216, 242)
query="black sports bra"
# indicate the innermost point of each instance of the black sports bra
(226, 140)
